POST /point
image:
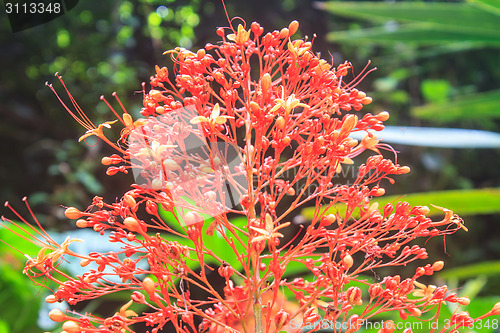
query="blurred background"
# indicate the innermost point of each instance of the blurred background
(437, 66)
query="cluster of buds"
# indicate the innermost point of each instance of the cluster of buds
(212, 155)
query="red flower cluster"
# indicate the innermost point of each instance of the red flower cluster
(247, 131)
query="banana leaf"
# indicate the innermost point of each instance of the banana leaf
(475, 106)
(461, 202)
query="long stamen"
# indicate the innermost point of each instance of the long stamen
(112, 109)
(48, 241)
(83, 116)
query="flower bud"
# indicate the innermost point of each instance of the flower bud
(496, 310)
(106, 160)
(281, 319)
(327, 220)
(82, 223)
(225, 270)
(51, 299)
(354, 323)
(170, 164)
(366, 100)
(348, 124)
(151, 207)
(72, 213)
(265, 82)
(280, 122)
(293, 27)
(353, 296)
(57, 315)
(383, 116)
(254, 107)
(438, 265)
(129, 200)
(415, 312)
(347, 261)
(138, 297)
(85, 262)
(132, 224)
(149, 285)
(375, 290)
(387, 327)
(284, 33)
(403, 170)
(71, 326)
(463, 301)
(192, 217)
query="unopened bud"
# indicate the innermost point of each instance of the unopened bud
(415, 312)
(149, 285)
(280, 122)
(463, 301)
(383, 116)
(327, 220)
(265, 82)
(348, 124)
(347, 261)
(85, 262)
(82, 223)
(106, 160)
(72, 213)
(403, 170)
(284, 33)
(225, 270)
(366, 100)
(50, 299)
(132, 224)
(496, 310)
(293, 27)
(281, 319)
(353, 296)
(438, 265)
(129, 201)
(170, 164)
(57, 315)
(388, 326)
(71, 326)
(192, 218)
(254, 107)
(375, 290)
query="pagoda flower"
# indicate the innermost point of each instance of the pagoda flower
(232, 141)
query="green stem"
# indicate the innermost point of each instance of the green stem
(257, 313)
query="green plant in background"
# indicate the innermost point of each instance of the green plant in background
(19, 297)
(447, 28)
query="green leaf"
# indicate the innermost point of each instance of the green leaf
(435, 90)
(4, 327)
(416, 34)
(461, 202)
(463, 16)
(485, 268)
(492, 6)
(476, 106)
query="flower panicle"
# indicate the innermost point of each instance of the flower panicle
(231, 142)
